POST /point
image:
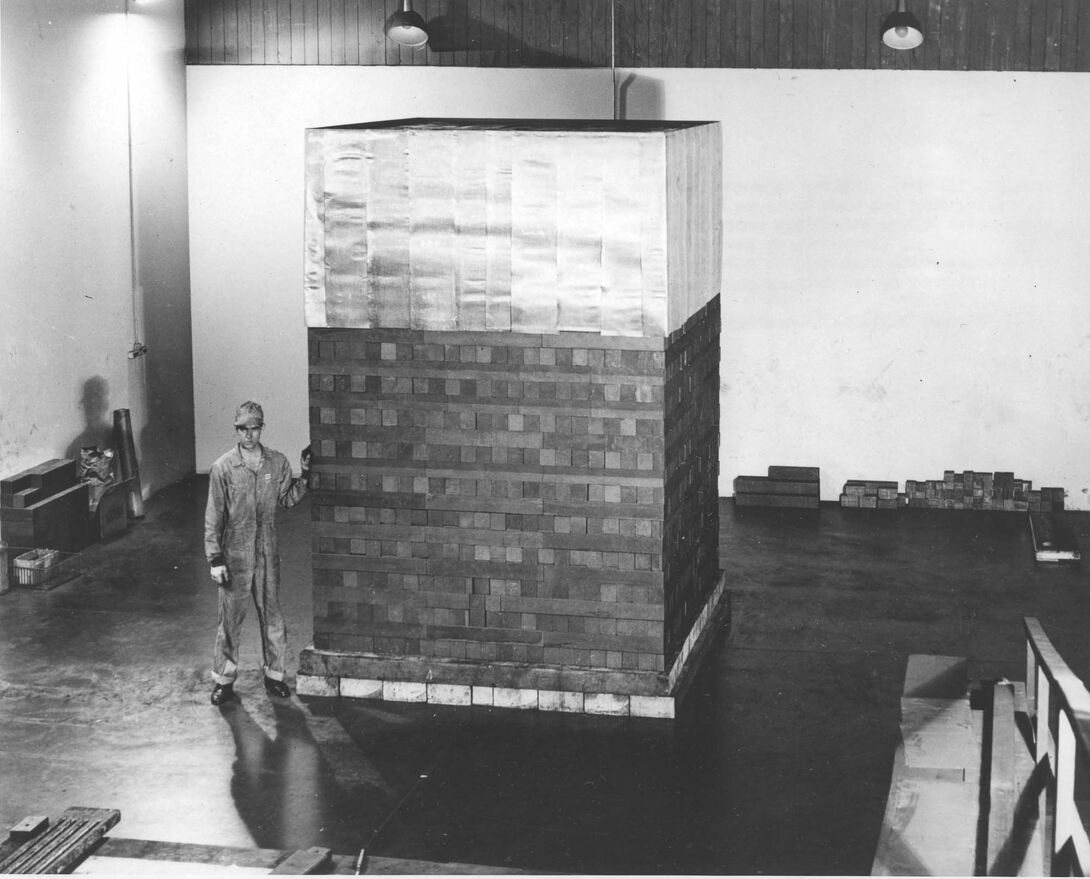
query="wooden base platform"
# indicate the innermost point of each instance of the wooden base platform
(623, 693)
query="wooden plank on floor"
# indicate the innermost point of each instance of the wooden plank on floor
(930, 821)
(142, 857)
(304, 862)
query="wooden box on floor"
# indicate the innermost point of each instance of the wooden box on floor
(46, 507)
(111, 516)
(514, 409)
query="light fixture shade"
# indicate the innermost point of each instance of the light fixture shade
(407, 27)
(901, 29)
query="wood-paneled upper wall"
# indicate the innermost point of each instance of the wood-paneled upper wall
(958, 34)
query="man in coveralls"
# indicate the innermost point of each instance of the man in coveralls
(245, 486)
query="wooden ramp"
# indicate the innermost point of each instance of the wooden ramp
(964, 797)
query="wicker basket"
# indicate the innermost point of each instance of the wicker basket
(35, 567)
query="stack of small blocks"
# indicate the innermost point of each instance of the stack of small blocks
(871, 494)
(791, 487)
(974, 490)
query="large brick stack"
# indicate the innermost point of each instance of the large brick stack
(475, 513)
(519, 509)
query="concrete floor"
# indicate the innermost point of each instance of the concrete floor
(778, 763)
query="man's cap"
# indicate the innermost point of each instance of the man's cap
(248, 412)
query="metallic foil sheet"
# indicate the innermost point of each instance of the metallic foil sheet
(531, 227)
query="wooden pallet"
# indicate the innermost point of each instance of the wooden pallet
(37, 845)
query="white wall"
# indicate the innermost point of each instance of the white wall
(67, 305)
(904, 270)
(903, 265)
(246, 169)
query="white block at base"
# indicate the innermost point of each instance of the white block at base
(317, 685)
(450, 694)
(483, 696)
(651, 706)
(508, 697)
(606, 703)
(404, 691)
(361, 688)
(559, 700)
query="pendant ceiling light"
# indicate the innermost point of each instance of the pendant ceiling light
(901, 30)
(407, 27)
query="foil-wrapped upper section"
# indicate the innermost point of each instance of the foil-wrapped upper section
(525, 226)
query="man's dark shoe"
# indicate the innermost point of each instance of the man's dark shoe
(222, 693)
(277, 688)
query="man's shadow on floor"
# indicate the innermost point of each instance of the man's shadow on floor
(284, 789)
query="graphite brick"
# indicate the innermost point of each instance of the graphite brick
(772, 500)
(767, 485)
(449, 600)
(368, 564)
(480, 338)
(604, 543)
(514, 439)
(589, 340)
(13, 486)
(481, 537)
(483, 569)
(588, 642)
(375, 629)
(591, 609)
(364, 530)
(53, 476)
(570, 577)
(347, 432)
(602, 510)
(485, 635)
(24, 498)
(638, 628)
(634, 443)
(477, 503)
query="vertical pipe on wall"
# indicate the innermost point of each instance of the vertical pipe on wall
(613, 56)
(133, 270)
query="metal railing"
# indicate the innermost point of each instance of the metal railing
(1060, 704)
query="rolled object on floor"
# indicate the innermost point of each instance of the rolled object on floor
(126, 452)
